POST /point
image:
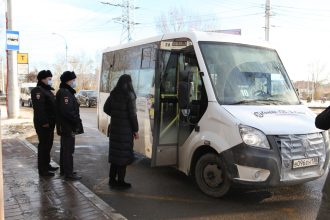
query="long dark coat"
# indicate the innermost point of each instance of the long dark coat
(122, 109)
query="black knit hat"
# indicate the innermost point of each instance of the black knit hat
(44, 74)
(67, 76)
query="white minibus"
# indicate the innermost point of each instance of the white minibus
(25, 95)
(219, 108)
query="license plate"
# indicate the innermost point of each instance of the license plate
(306, 162)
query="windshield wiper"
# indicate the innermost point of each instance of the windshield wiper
(259, 101)
(242, 102)
(272, 101)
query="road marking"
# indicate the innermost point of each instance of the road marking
(141, 196)
(291, 212)
(97, 187)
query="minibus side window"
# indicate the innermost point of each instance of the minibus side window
(169, 78)
(105, 74)
(168, 99)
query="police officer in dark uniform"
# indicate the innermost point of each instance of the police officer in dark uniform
(324, 210)
(322, 121)
(43, 101)
(68, 123)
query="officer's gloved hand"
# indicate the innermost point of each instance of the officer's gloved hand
(79, 129)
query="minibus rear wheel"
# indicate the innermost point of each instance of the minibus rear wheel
(211, 175)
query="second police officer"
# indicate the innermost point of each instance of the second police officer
(68, 124)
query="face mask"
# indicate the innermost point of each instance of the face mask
(50, 82)
(74, 84)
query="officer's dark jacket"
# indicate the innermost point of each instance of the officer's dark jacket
(122, 109)
(43, 102)
(67, 108)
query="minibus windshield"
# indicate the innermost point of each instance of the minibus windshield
(247, 75)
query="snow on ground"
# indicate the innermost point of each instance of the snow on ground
(17, 127)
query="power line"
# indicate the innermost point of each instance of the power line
(126, 19)
(301, 9)
(105, 27)
(237, 5)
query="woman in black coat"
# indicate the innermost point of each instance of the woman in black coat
(121, 106)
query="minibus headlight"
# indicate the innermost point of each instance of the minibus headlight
(253, 137)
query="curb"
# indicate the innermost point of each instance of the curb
(92, 197)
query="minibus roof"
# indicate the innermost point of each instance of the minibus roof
(195, 37)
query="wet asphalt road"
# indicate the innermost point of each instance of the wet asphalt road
(165, 193)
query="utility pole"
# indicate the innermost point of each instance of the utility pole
(126, 19)
(267, 15)
(12, 79)
(66, 49)
(2, 75)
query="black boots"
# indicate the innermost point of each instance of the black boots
(119, 172)
(52, 169)
(72, 177)
(47, 173)
(113, 183)
(119, 185)
(124, 185)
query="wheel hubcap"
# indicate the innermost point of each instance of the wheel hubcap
(212, 175)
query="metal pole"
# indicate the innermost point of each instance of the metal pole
(129, 38)
(2, 76)
(267, 15)
(12, 79)
(66, 49)
(2, 213)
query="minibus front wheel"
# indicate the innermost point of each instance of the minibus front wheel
(211, 175)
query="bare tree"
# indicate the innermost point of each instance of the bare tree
(316, 70)
(32, 76)
(85, 70)
(180, 20)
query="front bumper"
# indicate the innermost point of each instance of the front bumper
(273, 167)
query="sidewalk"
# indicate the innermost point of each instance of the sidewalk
(28, 196)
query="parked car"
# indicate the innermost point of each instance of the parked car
(25, 96)
(87, 97)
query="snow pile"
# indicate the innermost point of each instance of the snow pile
(17, 127)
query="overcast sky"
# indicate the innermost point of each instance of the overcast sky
(299, 28)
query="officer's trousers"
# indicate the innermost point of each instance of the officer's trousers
(46, 138)
(66, 154)
(324, 211)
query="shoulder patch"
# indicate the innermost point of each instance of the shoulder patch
(38, 95)
(66, 99)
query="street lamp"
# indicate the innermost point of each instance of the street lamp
(66, 48)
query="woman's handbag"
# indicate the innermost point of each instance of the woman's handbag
(322, 120)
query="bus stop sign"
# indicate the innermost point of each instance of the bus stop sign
(12, 40)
